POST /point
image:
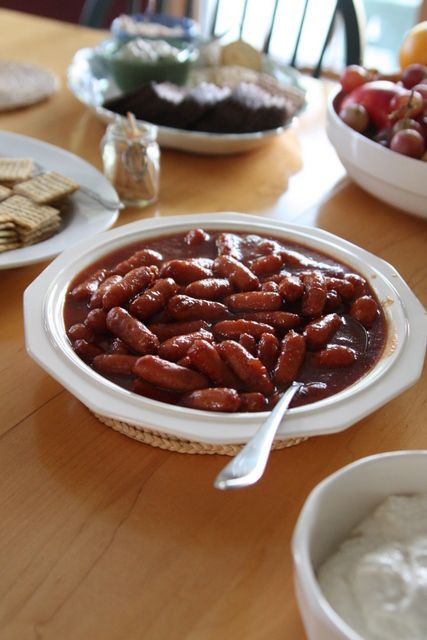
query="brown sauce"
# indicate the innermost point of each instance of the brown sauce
(366, 343)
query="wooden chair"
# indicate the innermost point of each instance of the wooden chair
(346, 13)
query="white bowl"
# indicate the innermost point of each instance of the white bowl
(389, 176)
(330, 512)
(399, 367)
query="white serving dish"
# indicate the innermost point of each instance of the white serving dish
(331, 511)
(91, 84)
(398, 369)
(389, 176)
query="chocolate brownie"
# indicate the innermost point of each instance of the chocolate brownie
(154, 102)
(207, 107)
(248, 108)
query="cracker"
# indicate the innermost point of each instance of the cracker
(7, 225)
(15, 169)
(5, 192)
(41, 233)
(241, 53)
(9, 246)
(39, 237)
(24, 213)
(46, 188)
(6, 234)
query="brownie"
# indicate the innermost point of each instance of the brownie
(154, 102)
(248, 108)
(204, 99)
(207, 107)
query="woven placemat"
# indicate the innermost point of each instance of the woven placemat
(24, 83)
(172, 443)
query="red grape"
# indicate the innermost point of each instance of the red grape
(355, 116)
(353, 76)
(414, 74)
(422, 120)
(407, 123)
(406, 105)
(408, 142)
(422, 89)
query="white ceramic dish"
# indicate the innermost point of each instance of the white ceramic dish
(84, 217)
(330, 512)
(48, 344)
(389, 176)
(91, 84)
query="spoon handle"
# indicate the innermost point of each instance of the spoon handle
(248, 465)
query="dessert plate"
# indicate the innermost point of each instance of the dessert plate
(84, 216)
(91, 84)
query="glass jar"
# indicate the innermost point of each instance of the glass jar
(131, 158)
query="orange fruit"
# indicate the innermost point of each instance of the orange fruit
(414, 46)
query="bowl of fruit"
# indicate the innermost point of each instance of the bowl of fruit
(378, 126)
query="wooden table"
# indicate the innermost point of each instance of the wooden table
(104, 537)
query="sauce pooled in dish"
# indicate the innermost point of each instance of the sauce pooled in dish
(223, 321)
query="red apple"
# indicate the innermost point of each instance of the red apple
(376, 97)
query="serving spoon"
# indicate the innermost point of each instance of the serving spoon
(248, 465)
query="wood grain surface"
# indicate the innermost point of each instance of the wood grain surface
(102, 537)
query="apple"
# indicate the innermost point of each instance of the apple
(376, 97)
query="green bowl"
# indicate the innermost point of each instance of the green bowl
(131, 74)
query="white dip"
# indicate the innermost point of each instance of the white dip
(377, 579)
(148, 50)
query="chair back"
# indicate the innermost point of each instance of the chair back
(288, 28)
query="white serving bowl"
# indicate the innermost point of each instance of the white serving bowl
(389, 176)
(331, 511)
(399, 367)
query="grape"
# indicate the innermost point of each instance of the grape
(414, 74)
(422, 120)
(408, 105)
(422, 89)
(355, 116)
(353, 76)
(407, 123)
(383, 136)
(408, 142)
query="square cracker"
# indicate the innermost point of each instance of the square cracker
(24, 213)
(7, 235)
(15, 169)
(29, 237)
(46, 188)
(9, 246)
(8, 224)
(43, 235)
(5, 192)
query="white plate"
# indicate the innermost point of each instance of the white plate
(399, 367)
(91, 84)
(84, 217)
